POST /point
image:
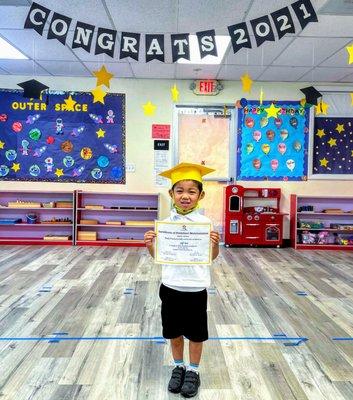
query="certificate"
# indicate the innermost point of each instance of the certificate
(183, 243)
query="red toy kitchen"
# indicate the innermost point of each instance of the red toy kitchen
(252, 216)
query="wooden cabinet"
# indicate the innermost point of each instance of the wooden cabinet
(319, 222)
(36, 217)
(114, 219)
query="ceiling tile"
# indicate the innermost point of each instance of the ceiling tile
(65, 68)
(13, 17)
(186, 71)
(119, 69)
(340, 59)
(22, 67)
(282, 74)
(320, 74)
(234, 72)
(330, 26)
(154, 70)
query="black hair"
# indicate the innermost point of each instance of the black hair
(198, 184)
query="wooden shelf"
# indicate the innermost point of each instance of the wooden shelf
(116, 226)
(325, 229)
(30, 241)
(308, 213)
(116, 210)
(36, 208)
(121, 242)
(24, 225)
(323, 246)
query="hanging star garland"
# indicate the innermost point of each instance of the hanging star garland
(100, 133)
(321, 108)
(320, 133)
(2, 144)
(350, 53)
(323, 162)
(175, 93)
(332, 142)
(70, 103)
(59, 172)
(16, 166)
(98, 95)
(272, 111)
(247, 82)
(103, 77)
(339, 128)
(149, 108)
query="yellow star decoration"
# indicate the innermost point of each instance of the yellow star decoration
(302, 102)
(352, 99)
(149, 108)
(339, 128)
(2, 144)
(103, 77)
(16, 166)
(321, 108)
(70, 103)
(350, 52)
(332, 142)
(247, 82)
(320, 133)
(175, 93)
(323, 162)
(272, 111)
(59, 172)
(98, 95)
(100, 133)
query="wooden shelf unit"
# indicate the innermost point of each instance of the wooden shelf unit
(127, 207)
(27, 234)
(320, 203)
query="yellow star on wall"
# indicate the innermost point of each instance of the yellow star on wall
(103, 77)
(247, 82)
(350, 52)
(332, 142)
(149, 108)
(272, 111)
(323, 162)
(70, 103)
(100, 133)
(320, 133)
(16, 166)
(175, 93)
(59, 172)
(321, 108)
(98, 95)
(2, 144)
(339, 128)
(351, 99)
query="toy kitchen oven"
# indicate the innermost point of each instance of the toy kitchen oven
(252, 216)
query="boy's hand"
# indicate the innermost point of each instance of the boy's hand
(149, 238)
(214, 238)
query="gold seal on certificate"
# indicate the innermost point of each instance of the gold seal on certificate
(183, 243)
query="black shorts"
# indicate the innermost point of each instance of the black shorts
(184, 314)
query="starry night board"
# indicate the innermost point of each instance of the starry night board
(270, 148)
(71, 139)
(333, 146)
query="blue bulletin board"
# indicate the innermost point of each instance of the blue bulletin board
(78, 141)
(270, 148)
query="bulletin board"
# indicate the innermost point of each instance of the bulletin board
(272, 148)
(63, 141)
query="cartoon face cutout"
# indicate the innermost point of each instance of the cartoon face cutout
(11, 155)
(68, 161)
(34, 170)
(96, 173)
(4, 170)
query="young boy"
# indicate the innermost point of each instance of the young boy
(183, 290)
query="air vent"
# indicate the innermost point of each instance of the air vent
(337, 7)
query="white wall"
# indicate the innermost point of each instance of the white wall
(139, 144)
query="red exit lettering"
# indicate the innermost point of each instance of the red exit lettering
(206, 86)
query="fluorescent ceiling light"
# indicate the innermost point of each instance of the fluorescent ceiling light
(222, 43)
(7, 51)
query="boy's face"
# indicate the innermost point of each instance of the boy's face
(186, 194)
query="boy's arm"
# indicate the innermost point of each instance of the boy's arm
(149, 241)
(215, 244)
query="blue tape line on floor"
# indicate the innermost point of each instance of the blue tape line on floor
(342, 338)
(146, 338)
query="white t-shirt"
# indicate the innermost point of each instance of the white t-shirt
(187, 278)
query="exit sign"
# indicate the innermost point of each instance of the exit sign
(206, 87)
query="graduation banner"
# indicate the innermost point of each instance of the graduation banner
(272, 146)
(333, 146)
(105, 39)
(70, 139)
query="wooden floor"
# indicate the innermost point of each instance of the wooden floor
(80, 292)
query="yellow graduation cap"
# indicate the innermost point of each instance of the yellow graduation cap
(186, 171)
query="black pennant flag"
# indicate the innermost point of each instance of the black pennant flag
(154, 47)
(36, 18)
(207, 43)
(305, 12)
(83, 36)
(105, 43)
(59, 27)
(283, 22)
(180, 46)
(239, 35)
(130, 45)
(262, 30)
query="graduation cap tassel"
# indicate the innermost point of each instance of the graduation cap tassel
(47, 99)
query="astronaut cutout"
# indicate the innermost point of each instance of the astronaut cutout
(59, 126)
(49, 164)
(110, 117)
(24, 149)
